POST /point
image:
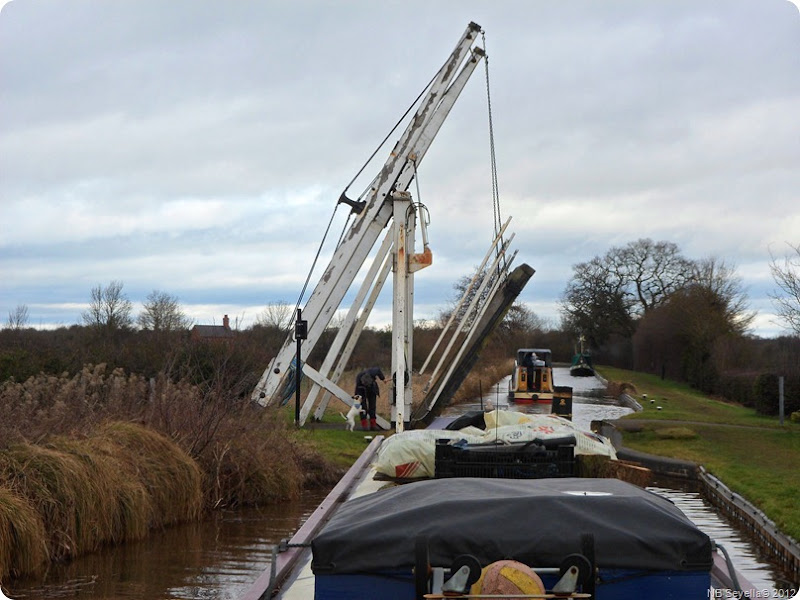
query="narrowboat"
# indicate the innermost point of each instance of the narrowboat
(578, 537)
(484, 537)
(581, 365)
(532, 379)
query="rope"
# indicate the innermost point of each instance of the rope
(396, 125)
(424, 214)
(344, 228)
(313, 264)
(347, 187)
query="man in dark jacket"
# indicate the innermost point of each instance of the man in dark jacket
(367, 388)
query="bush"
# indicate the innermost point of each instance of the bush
(737, 387)
(767, 394)
(765, 390)
(791, 394)
(23, 539)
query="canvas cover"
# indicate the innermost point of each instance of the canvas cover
(538, 522)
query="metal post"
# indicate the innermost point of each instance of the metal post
(402, 203)
(780, 398)
(300, 333)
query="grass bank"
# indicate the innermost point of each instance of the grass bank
(753, 454)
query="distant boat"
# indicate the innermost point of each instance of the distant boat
(581, 363)
(532, 381)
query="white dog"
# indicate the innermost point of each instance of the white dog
(353, 413)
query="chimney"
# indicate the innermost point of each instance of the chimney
(226, 322)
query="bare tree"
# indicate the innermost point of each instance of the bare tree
(595, 302)
(109, 308)
(18, 318)
(721, 280)
(519, 326)
(277, 315)
(650, 271)
(681, 336)
(606, 295)
(786, 299)
(162, 312)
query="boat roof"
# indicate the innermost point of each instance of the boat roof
(543, 354)
(538, 522)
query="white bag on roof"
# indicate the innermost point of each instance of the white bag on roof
(412, 454)
(520, 427)
(499, 418)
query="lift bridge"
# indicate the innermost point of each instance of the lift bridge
(387, 208)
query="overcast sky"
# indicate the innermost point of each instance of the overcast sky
(198, 148)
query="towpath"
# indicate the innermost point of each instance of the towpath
(634, 425)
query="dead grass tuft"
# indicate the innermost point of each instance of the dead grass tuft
(23, 539)
(171, 478)
(617, 388)
(108, 488)
(61, 489)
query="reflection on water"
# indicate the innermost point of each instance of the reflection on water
(590, 404)
(747, 557)
(588, 400)
(220, 558)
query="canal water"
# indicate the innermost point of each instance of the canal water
(591, 404)
(220, 558)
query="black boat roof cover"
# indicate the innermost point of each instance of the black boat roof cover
(538, 522)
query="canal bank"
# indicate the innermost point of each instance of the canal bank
(707, 452)
(220, 558)
(780, 549)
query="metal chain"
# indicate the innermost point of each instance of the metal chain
(495, 185)
(416, 184)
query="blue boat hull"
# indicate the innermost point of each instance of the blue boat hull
(613, 584)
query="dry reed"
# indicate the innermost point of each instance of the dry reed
(104, 457)
(256, 468)
(245, 452)
(480, 380)
(617, 388)
(169, 475)
(108, 488)
(23, 549)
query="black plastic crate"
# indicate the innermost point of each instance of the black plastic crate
(517, 460)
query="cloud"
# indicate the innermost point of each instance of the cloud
(199, 148)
